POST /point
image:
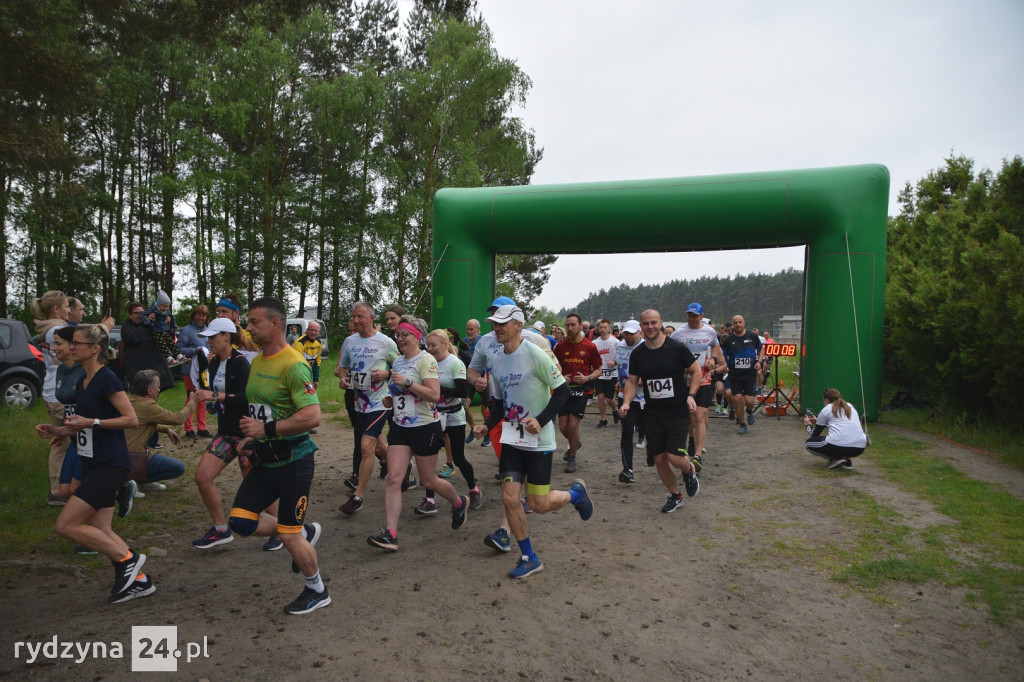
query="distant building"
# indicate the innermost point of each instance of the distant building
(787, 329)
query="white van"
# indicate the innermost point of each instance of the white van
(301, 323)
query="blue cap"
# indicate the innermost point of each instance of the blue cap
(500, 301)
(696, 308)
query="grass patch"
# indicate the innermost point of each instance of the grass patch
(976, 431)
(983, 552)
(24, 482)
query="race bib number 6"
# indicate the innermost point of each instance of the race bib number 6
(83, 442)
(261, 412)
(660, 389)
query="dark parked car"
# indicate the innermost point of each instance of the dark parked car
(21, 365)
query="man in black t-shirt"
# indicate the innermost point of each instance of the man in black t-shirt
(662, 365)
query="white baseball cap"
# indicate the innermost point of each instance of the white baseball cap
(631, 327)
(219, 325)
(539, 325)
(507, 312)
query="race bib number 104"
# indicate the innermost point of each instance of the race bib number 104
(659, 389)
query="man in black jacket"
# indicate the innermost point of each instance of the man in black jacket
(140, 351)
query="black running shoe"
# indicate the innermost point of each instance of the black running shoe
(126, 497)
(125, 572)
(139, 588)
(692, 483)
(311, 531)
(674, 502)
(383, 539)
(352, 482)
(460, 515)
(309, 600)
(626, 476)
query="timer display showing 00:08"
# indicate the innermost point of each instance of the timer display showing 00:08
(782, 350)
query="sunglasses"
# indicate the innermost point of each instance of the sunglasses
(76, 344)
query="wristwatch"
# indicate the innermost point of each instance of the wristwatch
(408, 382)
(96, 423)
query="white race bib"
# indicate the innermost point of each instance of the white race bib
(404, 406)
(83, 442)
(443, 418)
(516, 435)
(742, 363)
(360, 380)
(69, 410)
(261, 412)
(660, 388)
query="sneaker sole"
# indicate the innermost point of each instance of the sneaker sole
(222, 541)
(133, 575)
(128, 595)
(317, 530)
(587, 511)
(276, 547)
(494, 544)
(696, 488)
(459, 522)
(326, 601)
(526, 575)
(669, 511)
(432, 512)
(389, 548)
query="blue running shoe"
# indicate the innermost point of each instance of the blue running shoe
(446, 471)
(486, 443)
(469, 438)
(742, 429)
(750, 418)
(585, 507)
(272, 544)
(499, 540)
(525, 567)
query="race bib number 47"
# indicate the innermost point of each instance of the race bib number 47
(659, 389)
(360, 380)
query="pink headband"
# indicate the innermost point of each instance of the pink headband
(405, 326)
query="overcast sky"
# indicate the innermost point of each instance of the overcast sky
(673, 88)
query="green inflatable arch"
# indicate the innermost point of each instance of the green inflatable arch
(840, 214)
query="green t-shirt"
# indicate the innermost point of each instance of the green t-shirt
(279, 386)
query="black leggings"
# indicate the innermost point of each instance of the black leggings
(357, 428)
(457, 437)
(635, 417)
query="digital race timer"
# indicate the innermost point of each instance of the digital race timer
(780, 349)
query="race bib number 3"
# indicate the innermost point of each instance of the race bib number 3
(659, 389)
(83, 442)
(405, 406)
(516, 435)
(261, 412)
